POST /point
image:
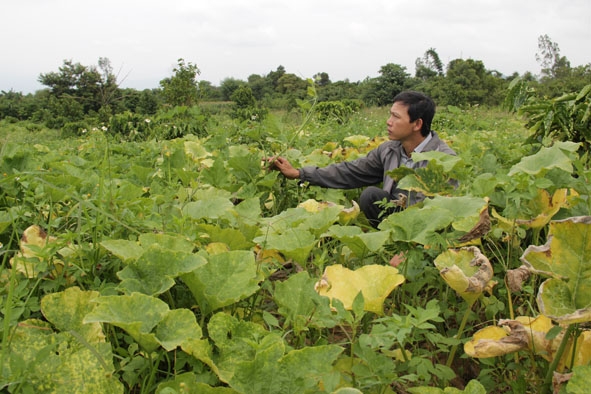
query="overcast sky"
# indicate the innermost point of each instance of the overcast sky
(348, 39)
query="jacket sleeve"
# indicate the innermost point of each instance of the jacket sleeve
(365, 171)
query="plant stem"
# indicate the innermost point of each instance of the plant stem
(509, 301)
(8, 305)
(452, 354)
(557, 356)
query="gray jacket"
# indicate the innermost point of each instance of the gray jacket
(368, 170)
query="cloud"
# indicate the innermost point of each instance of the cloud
(348, 39)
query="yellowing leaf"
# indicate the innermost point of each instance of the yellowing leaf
(216, 248)
(374, 281)
(566, 259)
(582, 350)
(545, 206)
(492, 341)
(529, 333)
(347, 215)
(397, 354)
(314, 206)
(467, 271)
(480, 228)
(31, 260)
(66, 310)
(357, 140)
(196, 151)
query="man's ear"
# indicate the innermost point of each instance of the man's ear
(418, 124)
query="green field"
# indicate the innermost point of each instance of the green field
(183, 265)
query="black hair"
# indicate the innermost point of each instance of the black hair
(419, 106)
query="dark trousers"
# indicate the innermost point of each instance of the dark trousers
(368, 205)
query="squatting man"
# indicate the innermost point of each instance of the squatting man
(409, 130)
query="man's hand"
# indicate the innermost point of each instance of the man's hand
(284, 166)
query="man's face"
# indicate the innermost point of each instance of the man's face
(400, 127)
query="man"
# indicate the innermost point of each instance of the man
(409, 130)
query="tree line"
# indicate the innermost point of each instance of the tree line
(76, 92)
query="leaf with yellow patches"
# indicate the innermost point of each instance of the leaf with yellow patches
(357, 140)
(467, 271)
(529, 333)
(492, 341)
(346, 215)
(36, 255)
(374, 281)
(545, 206)
(566, 259)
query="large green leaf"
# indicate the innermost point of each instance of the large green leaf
(132, 250)
(421, 224)
(154, 271)
(211, 208)
(234, 238)
(430, 180)
(559, 155)
(137, 314)
(361, 243)
(189, 383)
(235, 340)
(123, 249)
(301, 305)
(226, 279)
(244, 162)
(153, 262)
(252, 360)
(566, 258)
(324, 214)
(293, 243)
(177, 327)
(147, 319)
(298, 371)
(174, 242)
(417, 225)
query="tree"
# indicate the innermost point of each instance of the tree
(322, 79)
(260, 86)
(181, 89)
(76, 82)
(292, 88)
(228, 86)
(381, 90)
(340, 90)
(429, 65)
(16, 106)
(108, 87)
(245, 106)
(467, 82)
(553, 65)
(275, 75)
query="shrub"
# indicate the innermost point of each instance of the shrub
(337, 111)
